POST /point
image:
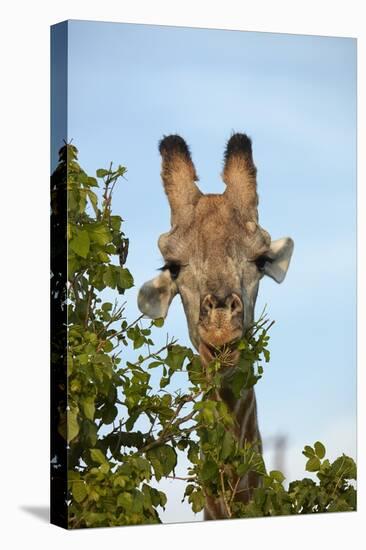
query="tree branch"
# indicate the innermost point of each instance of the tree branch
(228, 510)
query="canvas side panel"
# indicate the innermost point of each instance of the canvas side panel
(59, 36)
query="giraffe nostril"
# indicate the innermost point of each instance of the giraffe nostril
(208, 304)
(231, 303)
(234, 303)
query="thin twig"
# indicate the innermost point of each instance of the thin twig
(234, 490)
(224, 495)
(90, 294)
(181, 478)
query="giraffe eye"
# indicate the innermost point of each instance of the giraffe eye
(173, 268)
(261, 261)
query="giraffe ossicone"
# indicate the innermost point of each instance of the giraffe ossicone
(215, 255)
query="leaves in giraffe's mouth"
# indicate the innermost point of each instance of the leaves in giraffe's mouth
(227, 354)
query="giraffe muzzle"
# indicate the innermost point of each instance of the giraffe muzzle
(221, 319)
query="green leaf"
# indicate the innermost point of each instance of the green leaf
(176, 357)
(125, 278)
(72, 475)
(92, 182)
(83, 358)
(99, 233)
(109, 413)
(168, 456)
(227, 445)
(319, 449)
(313, 464)
(125, 500)
(155, 496)
(131, 420)
(79, 491)
(88, 407)
(159, 322)
(237, 382)
(157, 467)
(339, 505)
(72, 425)
(101, 172)
(90, 431)
(105, 467)
(197, 501)
(155, 364)
(163, 459)
(95, 519)
(108, 346)
(121, 170)
(116, 222)
(193, 452)
(277, 476)
(343, 467)
(308, 451)
(164, 382)
(80, 243)
(243, 468)
(163, 499)
(97, 456)
(189, 490)
(131, 439)
(68, 426)
(209, 470)
(138, 502)
(208, 415)
(109, 277)
(93, 200)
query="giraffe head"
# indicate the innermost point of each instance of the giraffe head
(215, 253)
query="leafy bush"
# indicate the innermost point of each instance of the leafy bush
(122, 433)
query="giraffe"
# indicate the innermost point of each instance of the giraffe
(215, 255)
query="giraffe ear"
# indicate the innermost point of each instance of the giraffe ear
(279, 256)
(179, 176)
(155, 296)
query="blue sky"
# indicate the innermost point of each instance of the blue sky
(128, 85)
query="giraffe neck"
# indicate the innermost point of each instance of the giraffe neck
(244, 410)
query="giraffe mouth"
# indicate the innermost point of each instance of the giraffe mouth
(218, 350)
(217, 337)
(226, 353)
(220, 323)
